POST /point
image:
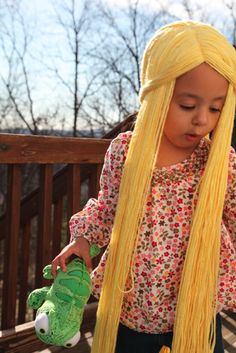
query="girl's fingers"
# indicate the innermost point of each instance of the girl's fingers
(88, 263)
(63, 264)
(58, 261)
(54, 268)
(80, 247)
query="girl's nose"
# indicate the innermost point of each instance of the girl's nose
(200, 117)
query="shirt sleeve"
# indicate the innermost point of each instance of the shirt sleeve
(229, 214)
(96, 219)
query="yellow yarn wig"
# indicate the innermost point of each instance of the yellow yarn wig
(173, 50)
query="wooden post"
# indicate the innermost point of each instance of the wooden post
(73, 190)
(45, 224)
(23, 272)
(11, 260)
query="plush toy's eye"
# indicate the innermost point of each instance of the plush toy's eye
(73, 341)
(41, 324)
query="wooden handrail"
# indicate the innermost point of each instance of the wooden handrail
(23, 149)
(46, 204)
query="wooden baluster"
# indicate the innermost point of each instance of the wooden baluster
(45, 224)
(11, 260)
(94, 179)
(73, 190)
(23, 272)
(57, 227)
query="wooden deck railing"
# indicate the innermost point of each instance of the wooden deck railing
(33, 228)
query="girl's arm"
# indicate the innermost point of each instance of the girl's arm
(229, 214)
(95, 221)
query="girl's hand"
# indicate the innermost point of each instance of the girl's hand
(80, 247)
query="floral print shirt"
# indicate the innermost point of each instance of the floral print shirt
(164, 233)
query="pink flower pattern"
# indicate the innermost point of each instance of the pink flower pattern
(164, 233)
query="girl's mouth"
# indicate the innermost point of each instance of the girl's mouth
(192, 137)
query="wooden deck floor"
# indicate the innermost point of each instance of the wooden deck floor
(229, 335)
(229, 332)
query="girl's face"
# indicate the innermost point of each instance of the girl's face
(195, 108)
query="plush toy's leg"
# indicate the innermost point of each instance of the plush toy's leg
(165, 350)
(37, 297)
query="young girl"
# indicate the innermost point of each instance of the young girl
(167, 204)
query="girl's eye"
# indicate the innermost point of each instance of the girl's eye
(215, 110)
(187, 107)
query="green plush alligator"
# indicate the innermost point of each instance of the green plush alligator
(61, 306)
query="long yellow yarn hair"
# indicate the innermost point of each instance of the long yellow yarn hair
(174, 50)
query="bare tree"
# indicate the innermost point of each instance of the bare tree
(19, 106)
(14, 43)
(5, 110)
(122, 35)
(75, 20)
(231, 23)
(190, 10)
(96, 57)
